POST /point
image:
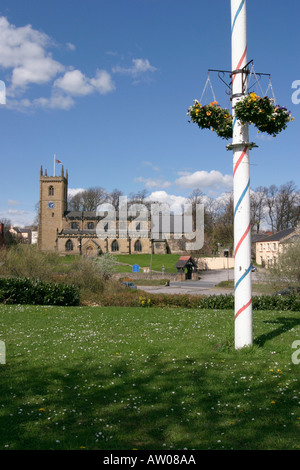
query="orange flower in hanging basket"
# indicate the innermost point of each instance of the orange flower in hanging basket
(212, 117)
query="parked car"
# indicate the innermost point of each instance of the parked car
(289, 291)
(129, 284)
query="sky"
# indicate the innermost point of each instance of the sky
(104, 85)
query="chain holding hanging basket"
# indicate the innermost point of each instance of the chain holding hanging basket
(263, 113)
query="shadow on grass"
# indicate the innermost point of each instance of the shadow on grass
(284, 324)
(158, 404)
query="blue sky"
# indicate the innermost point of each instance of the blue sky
(105, 86)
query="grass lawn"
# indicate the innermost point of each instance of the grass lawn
(146, 378)
(144, 260)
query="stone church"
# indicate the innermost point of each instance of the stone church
(75, 232)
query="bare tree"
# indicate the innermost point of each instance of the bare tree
(286, 206)
(88, 200)
(270, 199)
(114, 197)
(257, 207)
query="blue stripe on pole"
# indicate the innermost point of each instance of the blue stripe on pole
(234, 122)
(242, 277)
(237, 14)
(242, 196)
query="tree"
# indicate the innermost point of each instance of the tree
(88, 200)
(286, 203)
(114, 197)
(286, 271)
(222, 231)
(282, 206)
(257, 207)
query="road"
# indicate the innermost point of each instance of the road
(205, 286)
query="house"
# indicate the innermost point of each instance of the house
(268, 248)
(22, 235)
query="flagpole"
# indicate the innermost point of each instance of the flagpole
(241, 182)
(54, 165)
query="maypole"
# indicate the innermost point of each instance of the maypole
(241, 182)
(267, 117)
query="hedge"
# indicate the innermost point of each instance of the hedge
(217, 302)
(35, 292)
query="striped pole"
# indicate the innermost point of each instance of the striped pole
(241, 183)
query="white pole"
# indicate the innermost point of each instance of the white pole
(241, 183)
(54, 165)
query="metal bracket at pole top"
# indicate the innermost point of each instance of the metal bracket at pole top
(245, 70)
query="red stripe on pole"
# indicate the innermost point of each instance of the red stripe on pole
(241, 240)
(239, 160)
(240, 63)
(242, 309)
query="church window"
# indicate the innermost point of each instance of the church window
(51, 191)
(69, 245)
(115, 246)
(74, 225)
(138, 246)
(90, 226)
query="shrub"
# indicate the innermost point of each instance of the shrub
(27, 261)
(35, 292)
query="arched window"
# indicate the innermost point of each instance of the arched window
(115, 246)
(51, 191)
(74, 226)
(90, 226)
(69, 245)
(138, 246)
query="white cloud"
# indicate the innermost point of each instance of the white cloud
(12, 202)
(102, 82)
(18, 218)
(24, 52)
(73, 191)
(174, 202)
(70, 46)
(56, 101)
(139, 66)
(150, 164)
(152, 183)
(74, 82)
(204, 180)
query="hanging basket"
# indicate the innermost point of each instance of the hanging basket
(263, 113)
(212, 117)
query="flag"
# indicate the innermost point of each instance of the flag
(58, 161)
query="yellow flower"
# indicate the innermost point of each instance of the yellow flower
(253, 96)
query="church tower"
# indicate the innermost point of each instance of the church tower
(52, 207)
